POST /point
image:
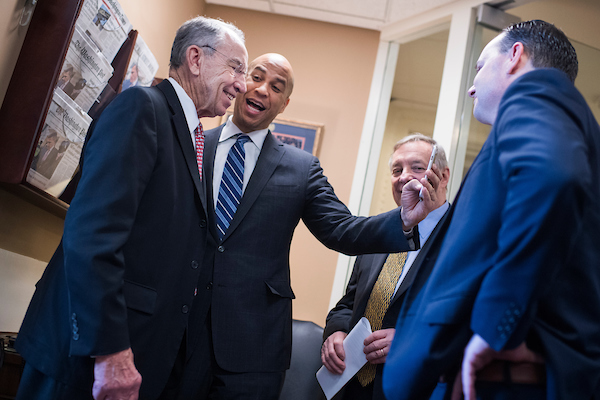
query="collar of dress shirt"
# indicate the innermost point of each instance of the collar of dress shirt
(230, 129)
(429, 223)
(189, 108)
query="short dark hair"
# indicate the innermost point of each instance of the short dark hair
(545, 44)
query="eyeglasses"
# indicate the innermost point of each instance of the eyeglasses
(237, 67)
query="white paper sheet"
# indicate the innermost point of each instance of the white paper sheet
(355, 359)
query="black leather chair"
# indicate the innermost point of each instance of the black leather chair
(300, 380)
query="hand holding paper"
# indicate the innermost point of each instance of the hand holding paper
(355, 358)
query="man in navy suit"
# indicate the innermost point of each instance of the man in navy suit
(245, 310)
(112, 310)
(409, 161)
(517, 276)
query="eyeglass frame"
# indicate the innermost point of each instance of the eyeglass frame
(237, 70)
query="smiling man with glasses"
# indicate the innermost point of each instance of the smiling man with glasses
(110, 318)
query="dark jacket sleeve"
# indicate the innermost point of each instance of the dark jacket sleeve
(339, 318)
(330, 221)
(119, 160)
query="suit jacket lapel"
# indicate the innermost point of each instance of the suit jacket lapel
(183, 136)
(269, 158)
(211, 140)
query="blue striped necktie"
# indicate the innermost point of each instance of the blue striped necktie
(230, 190)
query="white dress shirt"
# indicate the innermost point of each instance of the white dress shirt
(252, 148)
(189, 109)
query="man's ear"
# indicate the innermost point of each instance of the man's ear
(517, 58)
(194, 57)
(445, 177)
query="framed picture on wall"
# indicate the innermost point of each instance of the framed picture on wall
(301, 134)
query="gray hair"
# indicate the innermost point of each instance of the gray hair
(201, 31)
(440, 161)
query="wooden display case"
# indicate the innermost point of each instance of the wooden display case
(30, 91)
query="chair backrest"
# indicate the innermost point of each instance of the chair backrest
(300, 380)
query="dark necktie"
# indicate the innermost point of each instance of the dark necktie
(230, 190)
(378, 303)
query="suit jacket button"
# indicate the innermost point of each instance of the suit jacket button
(209, 286)
(185, 309)
(220, 249)
(202, 223)
(194, 264)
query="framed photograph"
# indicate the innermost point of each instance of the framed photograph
(303, 135)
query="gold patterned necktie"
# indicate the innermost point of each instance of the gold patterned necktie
(378, 303)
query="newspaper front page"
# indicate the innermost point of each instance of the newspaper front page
(59, 148)
(142, 66)
(106, 23)
(85, 71)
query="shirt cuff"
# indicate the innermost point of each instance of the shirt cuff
(411, 237)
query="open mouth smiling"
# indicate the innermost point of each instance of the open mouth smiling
(229, 95)
(255, 105)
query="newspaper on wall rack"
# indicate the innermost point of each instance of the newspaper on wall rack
(142, 66)
(85, 71)
(59, 148)
(107, 25)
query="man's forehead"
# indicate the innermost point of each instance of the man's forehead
(414, 145)
(412, 152)
(491, 48)
(280, 72)
(238, 50)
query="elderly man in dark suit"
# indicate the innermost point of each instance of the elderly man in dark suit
(111, 311)
(367, 291)
(517, 277)
(246, 307)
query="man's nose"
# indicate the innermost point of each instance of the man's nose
(262, 88)
(471, 91)
(405, 177)
(240, 85)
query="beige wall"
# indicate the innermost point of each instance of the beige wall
(333, 66)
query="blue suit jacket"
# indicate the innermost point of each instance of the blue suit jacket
(519, 261)
(125, 272)
(251, 296)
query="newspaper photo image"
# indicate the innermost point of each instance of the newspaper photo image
(58, 150)
(85, 71)
(142, 66)
(105, 22)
